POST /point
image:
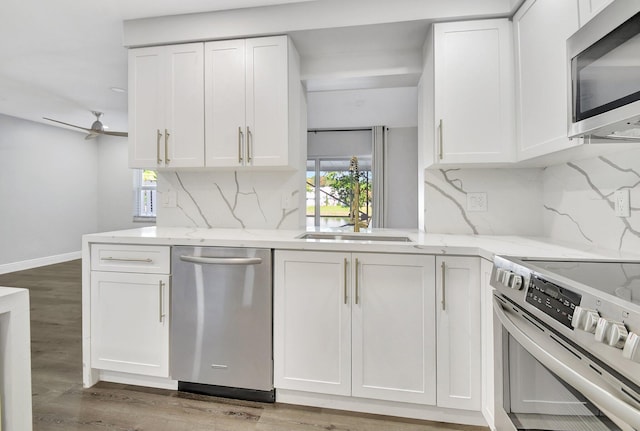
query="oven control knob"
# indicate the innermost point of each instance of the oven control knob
(499, 274)
(632, 347)
(506, 277)
(515, 282)
(585, 319)
(611, 333)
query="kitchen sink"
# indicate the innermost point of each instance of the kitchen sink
(363, 236)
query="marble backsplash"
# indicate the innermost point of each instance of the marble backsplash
(514, 201)
(232, 199)
(579, 201)
(572, 202)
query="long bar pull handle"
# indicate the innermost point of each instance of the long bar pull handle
(345, 280)
(443, 268)
(161, 301)
(166, 146)
(357, 281)
(240, 139)
(249, 145)
(158, 137)
(222, 260)
(440, 127)
(126, 259)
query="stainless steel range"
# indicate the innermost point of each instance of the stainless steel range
(567, 344)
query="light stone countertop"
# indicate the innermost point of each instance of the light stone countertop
(485, 246)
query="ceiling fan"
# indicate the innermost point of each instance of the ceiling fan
(97, 128)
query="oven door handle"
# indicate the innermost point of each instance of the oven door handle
(597, 394)
(222, 260)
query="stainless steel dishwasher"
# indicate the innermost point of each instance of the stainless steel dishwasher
(221, 322)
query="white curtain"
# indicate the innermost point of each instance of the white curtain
(378, 167)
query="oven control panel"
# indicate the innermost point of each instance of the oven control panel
(555, 301)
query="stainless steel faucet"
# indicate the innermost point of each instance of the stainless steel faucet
(354, 212)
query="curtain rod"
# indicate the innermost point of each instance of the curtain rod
(339, 130)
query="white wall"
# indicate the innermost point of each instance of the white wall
(47, 189)
(115, 186)
(391, 107)
(402, 178)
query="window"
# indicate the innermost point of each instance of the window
(329, 191)
(145, 184)
(329, 182)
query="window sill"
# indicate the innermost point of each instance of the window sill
(141, 219)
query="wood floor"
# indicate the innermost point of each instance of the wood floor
(60, 403)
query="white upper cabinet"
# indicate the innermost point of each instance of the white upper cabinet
(541, 29)
(225, 102)
(590, 8)
(472, 93)
(166, 106)
(252, 90)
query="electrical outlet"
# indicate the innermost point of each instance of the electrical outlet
(477, 202)
(169, 199)
(621, 203)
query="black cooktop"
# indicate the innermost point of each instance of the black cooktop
(621, 279)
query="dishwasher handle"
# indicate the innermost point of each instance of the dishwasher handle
(222, 260)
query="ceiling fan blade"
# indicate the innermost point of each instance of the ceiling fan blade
(123, 134)
(91, 135)
(67, 124)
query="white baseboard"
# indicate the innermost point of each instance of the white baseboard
(41, 261)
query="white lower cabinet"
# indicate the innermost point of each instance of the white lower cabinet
(355, 324)
(486, 316)
(459, 361)
(129, 316)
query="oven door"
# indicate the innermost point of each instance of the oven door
(543, 384)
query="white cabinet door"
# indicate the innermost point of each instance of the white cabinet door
(267, 101)
(486, 317)
(247, 102)
(166, 106)
(312, 322)
(225, 104)
(474, 95)
(458, 321)
(590, 8)
(394, 328)
(541, 29)
(184, 103)
(146, 102)
(129, 324)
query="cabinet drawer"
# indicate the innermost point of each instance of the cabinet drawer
(130, 258)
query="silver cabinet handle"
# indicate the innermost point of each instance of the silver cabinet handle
(345, 280)
(166, 146)
(443, 268)
(222, 260)
(126, 259)
(240, 139)
(249, 145)
(440, 127)
(161, 301)
(158, 136)
(357, 287)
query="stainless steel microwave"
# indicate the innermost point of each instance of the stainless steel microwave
(604, 73)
